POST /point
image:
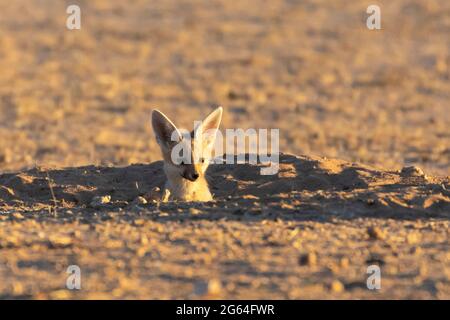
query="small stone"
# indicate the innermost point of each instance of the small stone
(139, 222)
(144, 240)
(18, 288)
(423, 270)
(308, 259)
(99, 201)
(214, 287)
(413, 238)
(375, 233)
(60, 241)
(165, 195)
(194, 211)
(412, 171)
(337, 286)
(344, 262)
(249, 196)
(142, 251)
(113, 244)
(18, 215)
(294, 233)
(6, 192)
(139, 201)
(154, 195)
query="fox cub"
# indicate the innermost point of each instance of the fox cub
(186, 156)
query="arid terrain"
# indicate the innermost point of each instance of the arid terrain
(364, 134)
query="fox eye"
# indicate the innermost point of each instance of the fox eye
(202, 160)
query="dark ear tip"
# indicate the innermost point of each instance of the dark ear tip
(157, 116)
(156, 113)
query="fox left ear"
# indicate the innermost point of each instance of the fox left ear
(165, 131)
(208, 128)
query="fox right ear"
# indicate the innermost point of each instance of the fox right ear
(165, 131)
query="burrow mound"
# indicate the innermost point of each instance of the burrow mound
(296, 174)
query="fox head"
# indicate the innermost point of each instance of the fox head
(186, 154)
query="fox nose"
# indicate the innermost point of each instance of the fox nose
(191, 176)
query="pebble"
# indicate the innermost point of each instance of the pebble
(412, 171)
(337, 286)
(194, 211)
(154, 195)
(308, 259)
(98, 201)
(18, 215)
(214, 287)
(376, 233)
(413, 238)
(139, 200)
(60, 241)
(344, 262)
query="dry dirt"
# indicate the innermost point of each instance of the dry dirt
(74, 125)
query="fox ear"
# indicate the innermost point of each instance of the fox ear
(165, 131)
(212, 122)
(208, 128)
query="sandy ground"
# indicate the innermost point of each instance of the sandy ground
(74, 120)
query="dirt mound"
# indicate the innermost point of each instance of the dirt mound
(324, 184)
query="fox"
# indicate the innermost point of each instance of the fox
(186, 173)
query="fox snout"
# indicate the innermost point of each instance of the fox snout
(191, 173)
(191, 176)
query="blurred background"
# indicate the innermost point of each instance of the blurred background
(310, 68)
